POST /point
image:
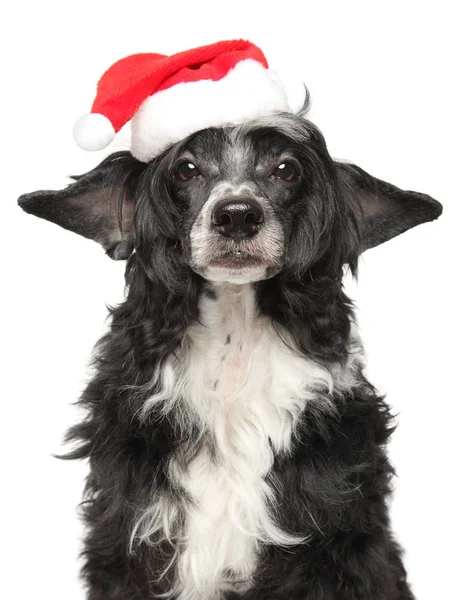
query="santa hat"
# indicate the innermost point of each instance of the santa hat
(168, 98)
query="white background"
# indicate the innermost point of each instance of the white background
(382, 80)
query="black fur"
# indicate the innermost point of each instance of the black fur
(335, 484)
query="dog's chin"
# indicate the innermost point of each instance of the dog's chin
(236, 269)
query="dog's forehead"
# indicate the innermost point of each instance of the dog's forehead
(238, 154)
(236, 151)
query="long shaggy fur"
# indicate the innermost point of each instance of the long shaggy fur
(236, 448)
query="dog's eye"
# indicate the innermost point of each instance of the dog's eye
(187, 170)
(286, 171)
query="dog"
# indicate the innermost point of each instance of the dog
(236, 448)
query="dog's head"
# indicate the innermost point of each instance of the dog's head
(236, 204)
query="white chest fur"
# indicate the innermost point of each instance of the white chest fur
(246, 388)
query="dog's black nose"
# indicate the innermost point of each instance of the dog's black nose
(237, 218)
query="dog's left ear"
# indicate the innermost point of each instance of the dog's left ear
(98, 206)
(384, 210)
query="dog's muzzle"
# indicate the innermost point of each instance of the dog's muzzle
(236, 238)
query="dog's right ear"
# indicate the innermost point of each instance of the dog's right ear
(98, 205)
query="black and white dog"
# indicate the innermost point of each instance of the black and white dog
(236, 448)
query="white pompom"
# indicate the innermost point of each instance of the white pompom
(93, 132)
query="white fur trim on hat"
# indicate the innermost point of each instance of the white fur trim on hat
(248, 91)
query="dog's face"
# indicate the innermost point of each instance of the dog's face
(244, 195)
(237, 204)
(235, 191)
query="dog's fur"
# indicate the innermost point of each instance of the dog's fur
(236, 448)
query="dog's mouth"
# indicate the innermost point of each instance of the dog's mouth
(237, 265)
(237, 259)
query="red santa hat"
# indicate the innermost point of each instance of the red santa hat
(168, 98)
